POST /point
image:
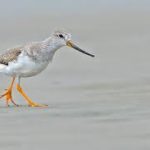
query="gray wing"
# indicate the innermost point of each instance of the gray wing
(10, 55)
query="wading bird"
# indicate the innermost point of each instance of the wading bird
(30, 59)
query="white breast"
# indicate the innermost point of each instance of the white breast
(24, 66)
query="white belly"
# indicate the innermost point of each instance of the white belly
(25, 67)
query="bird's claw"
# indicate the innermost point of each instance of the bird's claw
(8, 97)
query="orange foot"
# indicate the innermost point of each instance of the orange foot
(8, 94)
(29, 101)
(8, 97)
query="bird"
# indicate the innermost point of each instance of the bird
(31, 59)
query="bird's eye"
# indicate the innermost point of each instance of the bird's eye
(61, 36)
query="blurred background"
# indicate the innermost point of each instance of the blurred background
(94, 103)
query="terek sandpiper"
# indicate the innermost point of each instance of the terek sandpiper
(30, 59)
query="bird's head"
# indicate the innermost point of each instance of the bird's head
(64, 39)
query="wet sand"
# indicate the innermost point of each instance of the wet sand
(100, 103)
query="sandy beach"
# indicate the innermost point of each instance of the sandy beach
(94, 103)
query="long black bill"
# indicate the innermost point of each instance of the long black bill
(70, 44)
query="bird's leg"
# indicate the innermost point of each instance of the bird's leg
(8, 94)
(29, 101)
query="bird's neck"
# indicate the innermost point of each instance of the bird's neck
(50, 46)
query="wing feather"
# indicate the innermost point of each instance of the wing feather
(10, 55)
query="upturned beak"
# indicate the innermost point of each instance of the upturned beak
(70, 44)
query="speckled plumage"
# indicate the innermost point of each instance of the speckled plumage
(10, 55)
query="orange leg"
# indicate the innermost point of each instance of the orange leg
(8, 94)
(29, 101)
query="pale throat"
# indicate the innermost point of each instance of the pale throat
(51, 46)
